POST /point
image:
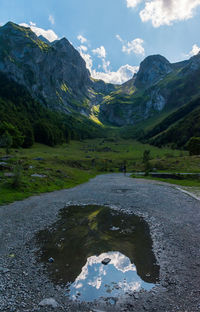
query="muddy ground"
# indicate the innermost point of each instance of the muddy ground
(174, 220)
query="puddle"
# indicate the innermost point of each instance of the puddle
(98, 252)
(122, 190)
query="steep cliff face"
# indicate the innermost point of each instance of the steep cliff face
(152, 69)
(54, 73)
(158, 86)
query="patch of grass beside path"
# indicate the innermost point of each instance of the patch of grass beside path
(185, 182)
(41, 169)
(71, 164)
(34, 186)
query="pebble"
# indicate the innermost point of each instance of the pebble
(4, 270)
(49, 302)
(106, 261)
(36, 175)
(8, 174)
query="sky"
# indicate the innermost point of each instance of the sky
(113, 36)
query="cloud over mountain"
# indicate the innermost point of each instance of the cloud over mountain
(82, 39)
(123, 74)
(195, 50)
(48, 34)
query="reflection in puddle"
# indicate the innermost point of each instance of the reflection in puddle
(99, 280)
(83, 237)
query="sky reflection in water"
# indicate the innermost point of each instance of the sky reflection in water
(98, 280)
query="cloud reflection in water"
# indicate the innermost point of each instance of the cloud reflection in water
(98, 280)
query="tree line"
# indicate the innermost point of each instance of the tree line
(23, 120)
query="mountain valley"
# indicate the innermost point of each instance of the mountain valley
(153, 106)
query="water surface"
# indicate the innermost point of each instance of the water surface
(83, 237)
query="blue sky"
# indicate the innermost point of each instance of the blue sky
(118, 33)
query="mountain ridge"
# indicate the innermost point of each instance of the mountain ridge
(55, 74)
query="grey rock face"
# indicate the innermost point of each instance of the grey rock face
(157, 85)
(56, 75)
(53, 73)
(152, 69)
(192, 65)
(157, 102)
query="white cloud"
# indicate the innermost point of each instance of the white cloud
(123, 74)
(165, 12)
(100, 52)
(105, 65)
(119, 38)
(51, 19)
(88, 60)
(81, 39)
(195, 50)
(48, 34)
(32, 24)
(135, 46)
(82, 48)
(132, 3)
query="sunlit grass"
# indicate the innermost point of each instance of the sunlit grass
(184, 182)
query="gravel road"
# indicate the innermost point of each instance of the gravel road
(174, 220)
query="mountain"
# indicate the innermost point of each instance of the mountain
(152, 106)
(158, 89)
(54, 73)
(27, 120)
(152, 69)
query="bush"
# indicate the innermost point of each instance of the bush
(6, 141)
(17, 137)
(146, 159)
(17, 178)
(193, 146)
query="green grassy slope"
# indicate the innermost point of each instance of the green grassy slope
(18, 108)
(176, 123)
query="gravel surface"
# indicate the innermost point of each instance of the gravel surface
(174, 220)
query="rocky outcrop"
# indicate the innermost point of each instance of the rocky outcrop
(54, 73)
(152, 69)
(192, 65)
(158, 85)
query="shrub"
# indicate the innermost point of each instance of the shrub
(146, 159)
(17, 137)
(17, 178)
(6, 141)
(193, 146)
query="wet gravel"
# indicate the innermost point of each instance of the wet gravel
(174, 220)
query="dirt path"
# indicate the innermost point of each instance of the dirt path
(174, 220)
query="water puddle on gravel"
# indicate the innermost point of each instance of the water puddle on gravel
(95, 252)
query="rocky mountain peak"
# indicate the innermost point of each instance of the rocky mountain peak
(11, 29)
(152, 69)
(52, 72)
(192, 65)
(44, 39)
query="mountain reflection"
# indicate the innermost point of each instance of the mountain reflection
(98, 280)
